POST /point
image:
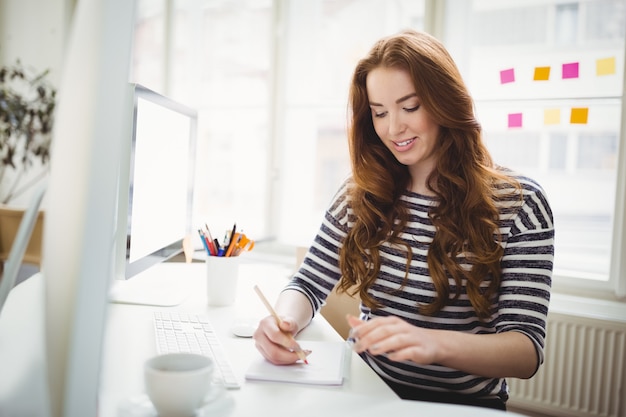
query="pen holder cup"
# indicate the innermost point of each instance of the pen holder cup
(222, 273)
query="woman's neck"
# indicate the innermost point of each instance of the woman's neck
(422, 189)
(419, 180)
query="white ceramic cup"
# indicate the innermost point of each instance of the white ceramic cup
(178, 383)
(222, 274)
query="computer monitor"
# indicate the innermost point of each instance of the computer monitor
(155, 197)
(160, 190)
(80, 230)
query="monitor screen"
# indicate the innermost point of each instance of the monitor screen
(160, 179)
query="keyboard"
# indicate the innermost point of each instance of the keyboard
(179, 331)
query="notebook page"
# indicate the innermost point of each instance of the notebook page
(325, 367)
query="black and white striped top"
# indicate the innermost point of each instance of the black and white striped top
(522, 304)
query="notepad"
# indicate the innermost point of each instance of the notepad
(325, 367)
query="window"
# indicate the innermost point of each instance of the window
(216, 56)
(270, 81)
(547, 81)
(323, 40)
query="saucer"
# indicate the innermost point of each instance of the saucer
(219, 403)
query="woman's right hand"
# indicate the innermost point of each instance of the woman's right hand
(277, 344)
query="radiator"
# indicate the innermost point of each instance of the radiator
(584, 372)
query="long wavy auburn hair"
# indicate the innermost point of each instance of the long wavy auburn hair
(464, 181)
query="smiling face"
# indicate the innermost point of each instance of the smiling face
(401, 123)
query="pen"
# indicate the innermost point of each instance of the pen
(209, 240)
(232, 244)
(231, 235)
(269, 307)
(206, 247)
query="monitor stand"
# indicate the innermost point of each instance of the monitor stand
(160, 285)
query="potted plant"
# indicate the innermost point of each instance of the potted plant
(27, 102)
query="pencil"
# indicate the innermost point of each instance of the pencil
(269, 307)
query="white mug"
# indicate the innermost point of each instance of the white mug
(178, 383)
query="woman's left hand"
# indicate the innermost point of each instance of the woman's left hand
(396, 338)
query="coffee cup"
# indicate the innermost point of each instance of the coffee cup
(178, 383)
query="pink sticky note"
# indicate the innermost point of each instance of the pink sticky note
(570, 70)
(507, 76)
(515, 120)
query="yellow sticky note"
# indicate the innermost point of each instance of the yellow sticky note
(542, 74)
(551, 116)
(579, 115)
(605, 66)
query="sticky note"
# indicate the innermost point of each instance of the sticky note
(570, 70)
(542, 74)
(515, 120)
(551, 116)
(579, 115)
(605, 66)
(507, 76)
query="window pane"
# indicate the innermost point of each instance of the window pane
(557, 153)
(324, 40)
(597, 151)
(149, 44)
(566, 24)
(505, 26)
(515, 149)
(219, 62)
(554, 113)
(604, 20)
(219, 57)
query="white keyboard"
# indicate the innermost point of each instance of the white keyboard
(179, 331)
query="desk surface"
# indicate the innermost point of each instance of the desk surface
(129, 341)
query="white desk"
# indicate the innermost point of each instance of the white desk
(129, 341)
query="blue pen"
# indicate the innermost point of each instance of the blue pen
(206, 247)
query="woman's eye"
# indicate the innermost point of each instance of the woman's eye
(412, 109)
(380, 115)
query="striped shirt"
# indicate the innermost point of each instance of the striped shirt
(522, 303)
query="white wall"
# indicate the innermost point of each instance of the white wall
(34, 31)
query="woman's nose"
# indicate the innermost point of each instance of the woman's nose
(396, 124)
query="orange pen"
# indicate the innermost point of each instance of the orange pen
(233, 242)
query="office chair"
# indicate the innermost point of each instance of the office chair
(10, 219)
(337, 305)
(19, 241)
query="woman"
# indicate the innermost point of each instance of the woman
(450, 254)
